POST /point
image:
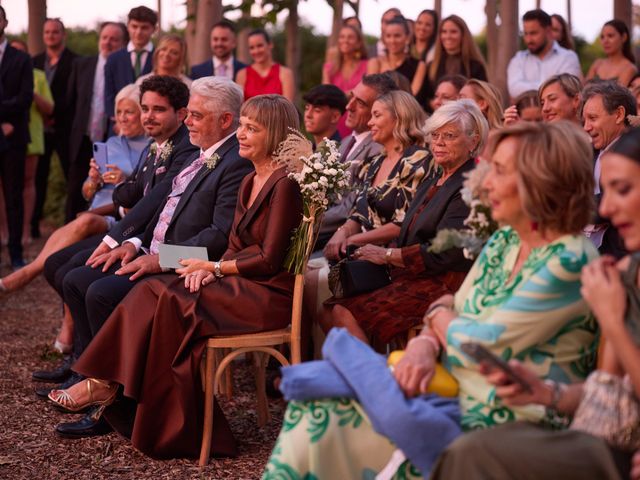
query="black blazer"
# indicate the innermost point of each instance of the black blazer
(205, 69)
(159, 180)
(119, 73)
(16, 95)
(79, 96)
(205, 212)
(446, 209)
(62, 113)
(146, 175)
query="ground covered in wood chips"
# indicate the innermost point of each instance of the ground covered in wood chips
(29, 449)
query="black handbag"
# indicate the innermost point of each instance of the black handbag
(350, 277)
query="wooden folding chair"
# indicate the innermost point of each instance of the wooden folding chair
(260, 345)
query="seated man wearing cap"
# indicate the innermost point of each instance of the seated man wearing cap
(325, 104)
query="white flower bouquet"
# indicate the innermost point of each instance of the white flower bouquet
(322, 177)
(479, 224)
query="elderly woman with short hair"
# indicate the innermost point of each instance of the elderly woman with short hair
(520, 300)
(457, 131)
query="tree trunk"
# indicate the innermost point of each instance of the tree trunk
(242, 50)
(538, 4)
(569, 17)
(622, 11)
(159, 12)
(208, 13)
(37, 16)
(507, 43)
(437, 6)
(492, 37)
(190, 30)
(292, 52)
(338, 9)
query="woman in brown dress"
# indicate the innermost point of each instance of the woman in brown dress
(153, 342)
(458, 131)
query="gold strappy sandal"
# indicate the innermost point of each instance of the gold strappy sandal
(62, 398)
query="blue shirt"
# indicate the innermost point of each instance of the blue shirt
(125, 153)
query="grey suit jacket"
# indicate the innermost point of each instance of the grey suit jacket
(338, 213)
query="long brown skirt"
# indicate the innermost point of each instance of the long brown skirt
(152, 345)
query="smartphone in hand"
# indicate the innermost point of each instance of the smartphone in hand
(100, 155)
(481, 354)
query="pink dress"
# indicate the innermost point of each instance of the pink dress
(346, 85)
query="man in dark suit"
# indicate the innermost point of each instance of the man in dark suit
(86, 101)
(56, 62)
(198, 211)
(605, 109)
(163, 104)
(16, 94)
(223, 63)
(127, 64)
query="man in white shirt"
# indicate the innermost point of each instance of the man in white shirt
(223, 63)
(543, 57)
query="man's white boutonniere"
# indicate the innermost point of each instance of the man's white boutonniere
(212, 161)
(166, 151)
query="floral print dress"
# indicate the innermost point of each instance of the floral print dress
(536, 316)
(389, 201)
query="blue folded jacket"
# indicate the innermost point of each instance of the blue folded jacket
(421, 426)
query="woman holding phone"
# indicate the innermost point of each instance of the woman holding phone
(609, 289)
(123, 153)
(521, 299)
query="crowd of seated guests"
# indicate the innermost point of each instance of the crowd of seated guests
(192, 164)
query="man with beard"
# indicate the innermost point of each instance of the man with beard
(223, 63)
(56, 62)
(543, 57)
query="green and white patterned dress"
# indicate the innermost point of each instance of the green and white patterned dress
(537, 317)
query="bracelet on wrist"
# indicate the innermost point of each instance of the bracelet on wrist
(429, 338)
(432, 312)
(387, 255)
(557, 390)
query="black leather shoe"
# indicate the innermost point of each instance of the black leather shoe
(91, 425)
(43, 392)
(57, 375)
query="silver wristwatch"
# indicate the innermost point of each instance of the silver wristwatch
(216, 269)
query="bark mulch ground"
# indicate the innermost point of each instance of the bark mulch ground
(29, 449)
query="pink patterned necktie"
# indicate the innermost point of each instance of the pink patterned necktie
(222, 70)
(180, 183)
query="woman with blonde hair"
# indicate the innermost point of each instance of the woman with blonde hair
(350, 63)
(456, 52)
(169, 59)
(390, 179)
(560, 98)
(487, 97)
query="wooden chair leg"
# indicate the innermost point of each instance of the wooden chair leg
(260, 362)
(228, 377)
(208, 408)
